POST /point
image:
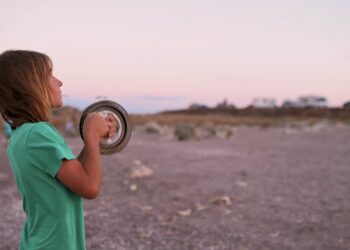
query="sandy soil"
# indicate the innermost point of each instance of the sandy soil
(284, 189)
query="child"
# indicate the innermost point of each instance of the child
(50, 179)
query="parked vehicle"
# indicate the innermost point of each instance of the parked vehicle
(264, 103)
(290, 104)
(312, 101)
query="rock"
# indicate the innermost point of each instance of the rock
(274, 235)
(242, 183)
(222, 200)
(184, 132)
(133, 187)
(169, 133)
(153, 128)
(200, 207)
(224, 131)
(185, 213)
(319, 126)
(137, 162)
(147, 208)
(140, 171)
(204, 133)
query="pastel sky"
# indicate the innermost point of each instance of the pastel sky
(159, 54)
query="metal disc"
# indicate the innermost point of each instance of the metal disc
(123, 133)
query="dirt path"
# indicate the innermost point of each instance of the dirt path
(283, 189)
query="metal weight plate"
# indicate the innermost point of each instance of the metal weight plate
(124, 127)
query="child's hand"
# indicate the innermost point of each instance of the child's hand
(112, 126)
(95, 126)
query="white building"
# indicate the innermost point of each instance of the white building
(264, 103)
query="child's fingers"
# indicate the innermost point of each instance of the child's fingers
(110, 118)
(111, 134)
(112, 125)
(111, 130)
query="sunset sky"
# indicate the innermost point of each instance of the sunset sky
(155, 55)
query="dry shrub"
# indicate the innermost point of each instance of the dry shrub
(234, 117)
(172, 120)
(245, 117)
(61, 116)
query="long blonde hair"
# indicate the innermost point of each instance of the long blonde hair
(25, 94)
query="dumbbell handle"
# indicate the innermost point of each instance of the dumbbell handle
(105, 108)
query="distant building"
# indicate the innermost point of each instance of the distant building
(346, 105)
(224, 104)
(264, 103)
(198, 106)
(312, 101)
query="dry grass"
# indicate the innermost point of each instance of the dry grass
(172, 119)
(59, 117)
(246, 117)
(234, 117)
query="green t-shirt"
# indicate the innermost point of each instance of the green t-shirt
(54, 214)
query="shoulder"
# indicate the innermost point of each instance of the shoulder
(42, 126)
(43, 130)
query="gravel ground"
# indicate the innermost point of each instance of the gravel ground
(263, 189)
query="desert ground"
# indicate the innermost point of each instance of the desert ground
(262, 188)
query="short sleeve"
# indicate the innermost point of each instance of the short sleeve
(47, 148)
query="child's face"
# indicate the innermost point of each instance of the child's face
(55, 86)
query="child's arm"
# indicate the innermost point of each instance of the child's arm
(112, 127)
(81, 155)
(83, 176)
